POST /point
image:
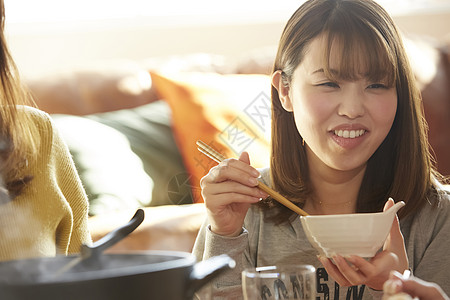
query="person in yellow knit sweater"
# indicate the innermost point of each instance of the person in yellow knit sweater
(43, 206)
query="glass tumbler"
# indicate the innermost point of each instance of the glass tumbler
(279, 282)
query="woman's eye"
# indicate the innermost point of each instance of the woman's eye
(377, 86)
(329, 84)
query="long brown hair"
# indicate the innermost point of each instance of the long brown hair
(401, 167)
(17, 145)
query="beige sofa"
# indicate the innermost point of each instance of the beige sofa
(121, 86)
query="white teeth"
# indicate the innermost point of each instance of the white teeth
(349, 133)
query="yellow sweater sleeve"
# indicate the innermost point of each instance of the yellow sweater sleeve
(50, 216)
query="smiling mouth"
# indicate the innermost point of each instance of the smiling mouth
(349, 133)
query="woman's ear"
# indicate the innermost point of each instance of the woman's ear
(283, 90)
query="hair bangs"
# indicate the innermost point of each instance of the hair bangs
(352, 51)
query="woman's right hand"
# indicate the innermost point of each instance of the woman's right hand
(228, 191)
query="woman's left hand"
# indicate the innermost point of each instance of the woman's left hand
(355, 270)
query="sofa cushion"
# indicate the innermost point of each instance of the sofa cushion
(148, 129)
(112, 175)
(229, 112)
(126, 158)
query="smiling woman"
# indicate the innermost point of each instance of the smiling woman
(326, 90)
(326, 82)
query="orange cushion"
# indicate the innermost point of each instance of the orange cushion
(229, 112)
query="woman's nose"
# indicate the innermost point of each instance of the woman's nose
(352, 104)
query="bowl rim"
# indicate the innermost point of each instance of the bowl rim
(354, 215)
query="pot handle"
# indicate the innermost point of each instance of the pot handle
(206, 270)
(92, 252)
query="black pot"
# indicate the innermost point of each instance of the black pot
(144, 275)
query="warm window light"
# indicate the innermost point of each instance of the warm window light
(24, 11)
(69, 10)
(135, 84)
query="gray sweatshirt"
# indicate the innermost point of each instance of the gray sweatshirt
(264, 243)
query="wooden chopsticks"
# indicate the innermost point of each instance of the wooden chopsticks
(216, 156)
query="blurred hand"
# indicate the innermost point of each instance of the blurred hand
(412, 286)
(355, 270)
(228, 191)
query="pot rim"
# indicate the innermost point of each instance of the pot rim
(180, 260)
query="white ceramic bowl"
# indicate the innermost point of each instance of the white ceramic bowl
(360, 234)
